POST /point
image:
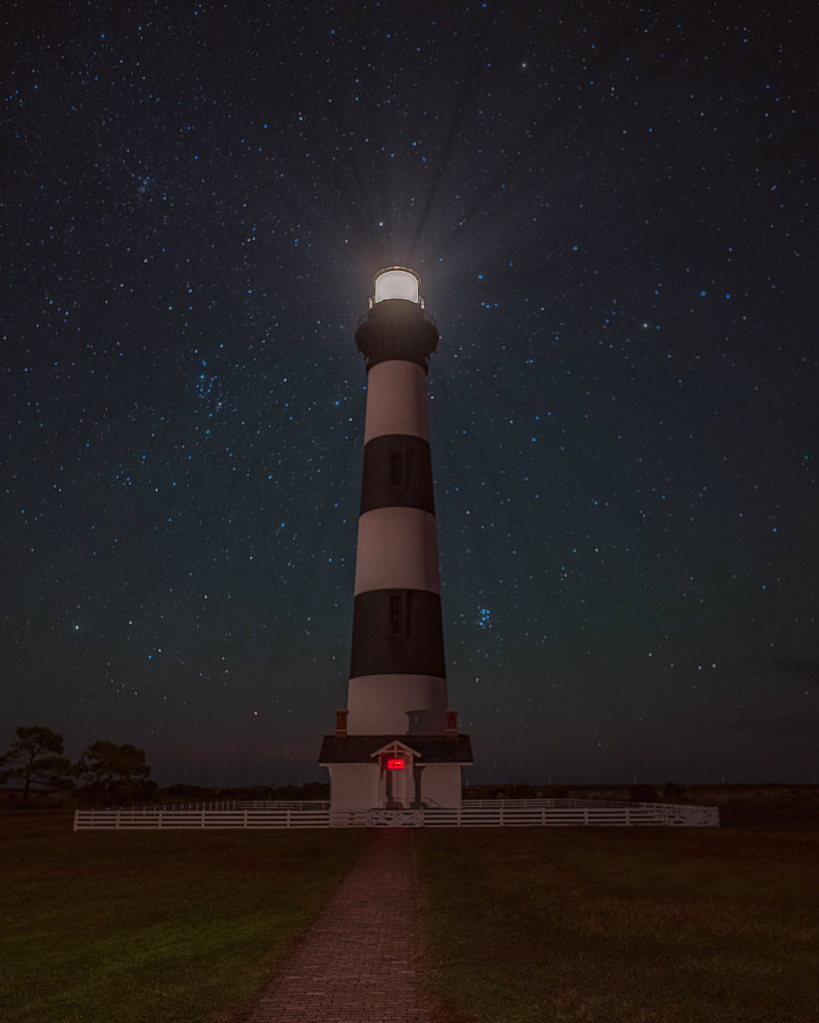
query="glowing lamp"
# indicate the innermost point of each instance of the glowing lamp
(396, 282)
(395, 765)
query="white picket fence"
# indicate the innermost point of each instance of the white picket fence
(165, 819)
(245, 804)
(476, 813)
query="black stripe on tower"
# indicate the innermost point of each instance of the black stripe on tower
(397, 632)
(397, 473)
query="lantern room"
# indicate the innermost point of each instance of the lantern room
(396, 282)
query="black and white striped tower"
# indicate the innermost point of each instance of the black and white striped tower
(396, 746)
(397, 671)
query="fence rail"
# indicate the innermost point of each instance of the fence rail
(473, 813)
(241, 804)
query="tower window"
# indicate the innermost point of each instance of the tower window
(401, 468)
(395, 615)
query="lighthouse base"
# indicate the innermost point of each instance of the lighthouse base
(396, 772)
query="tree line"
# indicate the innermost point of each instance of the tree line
(104, 771)
(112, 774)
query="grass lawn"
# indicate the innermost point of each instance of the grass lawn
(550, 925)
(150, 927)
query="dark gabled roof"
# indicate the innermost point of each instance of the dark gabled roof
(358, 749)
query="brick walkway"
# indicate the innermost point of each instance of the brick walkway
(355, 964)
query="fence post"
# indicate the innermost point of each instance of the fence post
(244, 819)
(117, 827)
(585, 815)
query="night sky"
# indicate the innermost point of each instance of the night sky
(613, 212)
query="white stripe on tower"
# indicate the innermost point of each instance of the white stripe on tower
(396, 400)
(397, 549)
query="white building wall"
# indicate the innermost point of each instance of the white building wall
(353, 786)
(442, 782)
(363, 787)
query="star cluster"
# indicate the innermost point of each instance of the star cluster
(612, 210)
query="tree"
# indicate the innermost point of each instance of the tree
(674, 792)
(36, 757)
(114, 772)
(644, 793)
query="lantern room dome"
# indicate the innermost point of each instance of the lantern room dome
(396, 282)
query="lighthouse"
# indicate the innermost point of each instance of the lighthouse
(396, 744)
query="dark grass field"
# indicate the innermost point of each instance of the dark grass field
(518, 925)
(148, 927)
(643, 925)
